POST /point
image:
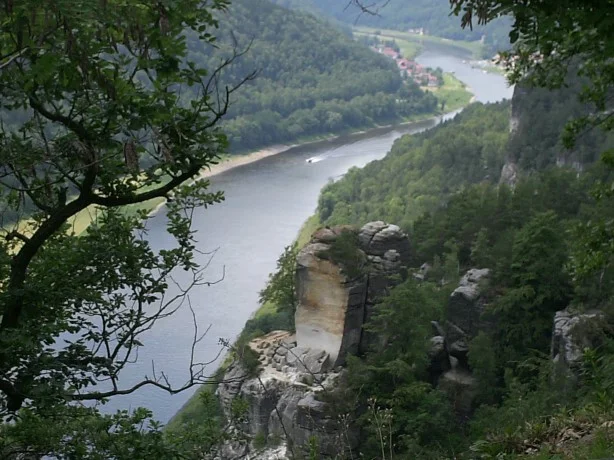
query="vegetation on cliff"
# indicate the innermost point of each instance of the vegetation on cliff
(547, 240)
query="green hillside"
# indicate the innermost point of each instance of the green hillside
(431, 15)
(312, 79)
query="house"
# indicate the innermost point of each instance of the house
(403, 64)
(390, 53)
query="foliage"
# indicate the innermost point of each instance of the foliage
(94, 116)
(78, 432)
(421, 171)
(540, 116)
(432, 16)
(391, 379)
(525, 235)
(280, 289)
(312, 80)
(345, 251)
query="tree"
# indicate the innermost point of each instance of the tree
(281, 287)
(100, 108)
(538, 287)
(550, 38)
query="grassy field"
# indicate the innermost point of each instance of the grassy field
(409, 49)
(454, 93)
(475, 48)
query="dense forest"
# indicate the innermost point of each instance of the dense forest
(431, 15)
(311, 78)
(545, 239)
(422, 171)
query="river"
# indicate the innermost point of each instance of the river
(266, 204)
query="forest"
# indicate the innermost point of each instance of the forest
(546, 239)
(311, 78)
(114, 104)
(431, 15)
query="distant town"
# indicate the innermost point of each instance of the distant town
(409, 68)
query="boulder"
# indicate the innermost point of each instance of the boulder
(465, 313)
(438, 355)
(572, 333)
(461, 387)
(377, 238)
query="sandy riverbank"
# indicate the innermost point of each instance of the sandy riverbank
(241, 160)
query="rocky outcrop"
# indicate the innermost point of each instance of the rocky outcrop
(340, 276)
(449, 368)
(572, 333)
(465, 313)
(335, 302)
(509, 174)
(283, 400)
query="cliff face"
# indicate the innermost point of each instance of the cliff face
(284, 401)
(333, 304)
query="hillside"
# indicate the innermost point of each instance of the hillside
(433, 16)
(312, 79)
(500, 343)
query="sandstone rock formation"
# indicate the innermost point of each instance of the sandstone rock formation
(572, 333)
(449, 367)
(283, 400)
(335, 300)
(465, 313)
(333, 306)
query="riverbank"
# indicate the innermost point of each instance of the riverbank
(193, 411)
(414, 42)
(458, 97)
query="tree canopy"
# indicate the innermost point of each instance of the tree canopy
(94, 116)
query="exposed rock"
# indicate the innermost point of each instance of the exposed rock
(509, 174)
(328, 301)
(284, 404)
(465, 313)
(461, 387)
(440, 362)
(377, 238)
(333, 307)
(573, 333)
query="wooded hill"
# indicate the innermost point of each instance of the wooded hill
(431, 15)
(546, 237)
(312, 79)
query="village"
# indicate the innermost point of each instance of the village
(410, 68)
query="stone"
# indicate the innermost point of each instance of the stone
(438, 355)
(465, 309)
(437, 329)
(325, 301)
(332, 309)
(572, 333)
(509, 174)
(315, 362)
(281, 351)
(461, 387)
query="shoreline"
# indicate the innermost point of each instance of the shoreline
(238, 160)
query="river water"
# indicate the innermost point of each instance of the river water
(266, 204)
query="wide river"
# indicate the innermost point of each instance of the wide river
(266, 204)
